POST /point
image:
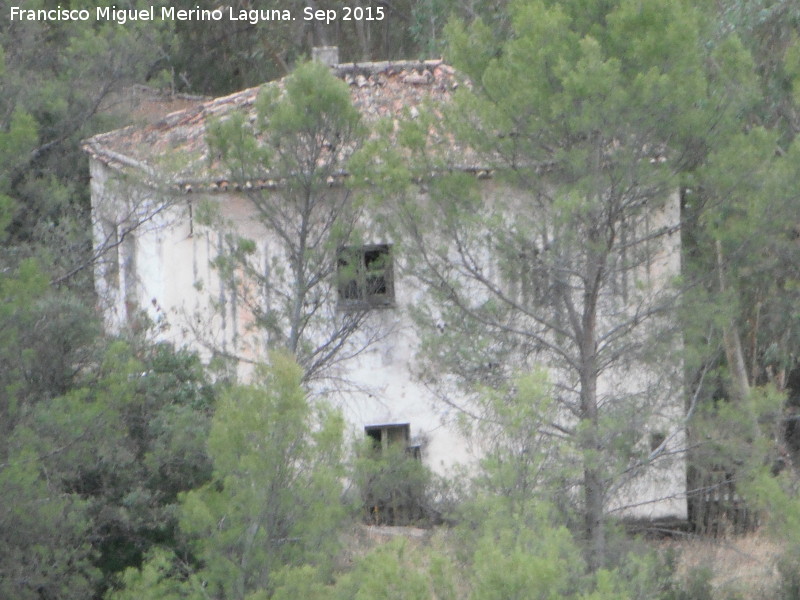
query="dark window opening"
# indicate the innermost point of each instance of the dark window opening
(394, 479)
(376, 433)
(385, 435)
(656, 439)
(365, 276)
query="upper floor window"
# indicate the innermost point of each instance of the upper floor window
(364, 276)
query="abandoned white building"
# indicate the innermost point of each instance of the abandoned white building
(152, 186)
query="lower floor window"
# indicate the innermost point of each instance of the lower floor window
(393, 480)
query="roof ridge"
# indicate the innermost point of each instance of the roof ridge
(387, 65)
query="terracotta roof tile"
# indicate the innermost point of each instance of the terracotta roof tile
(177, 143)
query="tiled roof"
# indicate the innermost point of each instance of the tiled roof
(176, 145)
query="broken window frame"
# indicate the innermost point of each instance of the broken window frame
(388, 435)
(400, 503)
(365, 277)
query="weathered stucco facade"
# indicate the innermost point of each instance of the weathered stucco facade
(149, 185)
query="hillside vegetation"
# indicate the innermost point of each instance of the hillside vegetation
(134, 470)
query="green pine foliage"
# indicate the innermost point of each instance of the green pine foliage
(97, 441)
(588, 119)
(274, 498)
(395, 487)
(303, 134)
(389, 572)
(115, 480)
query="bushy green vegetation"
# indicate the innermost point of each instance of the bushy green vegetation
(128, 470)
(99, 438)
(394, 486)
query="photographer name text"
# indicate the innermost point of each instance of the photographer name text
(121, 16)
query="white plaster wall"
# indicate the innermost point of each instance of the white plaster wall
(105, 218)
(381, 388)
(172, 272)
(391, 394)
(178, 289)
